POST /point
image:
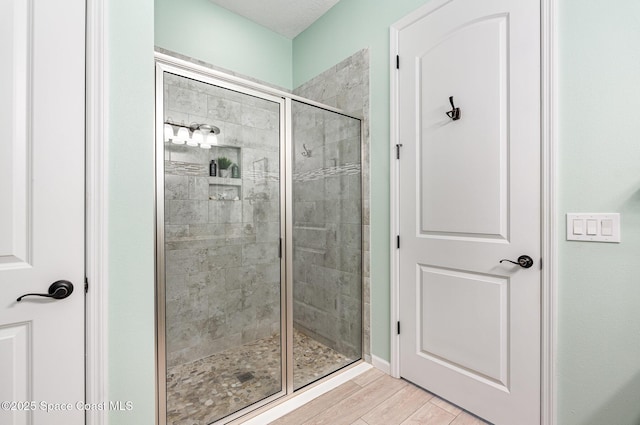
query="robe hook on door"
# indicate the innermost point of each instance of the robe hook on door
(454, 113)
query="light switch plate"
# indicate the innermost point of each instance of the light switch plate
(581, 225)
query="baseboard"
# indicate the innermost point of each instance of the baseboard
(381, 364)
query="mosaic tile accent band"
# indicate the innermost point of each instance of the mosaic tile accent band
(352, 169)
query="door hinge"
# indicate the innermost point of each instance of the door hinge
(86, 285)
(398, 241)
(398, 146)
(280, 248)
(397, 61)
(398, 327)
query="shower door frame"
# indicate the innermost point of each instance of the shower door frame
(167, 63)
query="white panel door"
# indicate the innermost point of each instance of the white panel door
(41, 211)
(470, 197)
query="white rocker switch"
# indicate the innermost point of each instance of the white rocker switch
(606, 227)
(593, 227)
(578, 227)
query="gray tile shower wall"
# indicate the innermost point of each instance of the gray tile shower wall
(327, 228)
(327, 221)
(222, 263)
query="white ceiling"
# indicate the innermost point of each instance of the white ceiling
(286, 17)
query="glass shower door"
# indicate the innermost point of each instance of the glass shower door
(327, 242)
(222, 270)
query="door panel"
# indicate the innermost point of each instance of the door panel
(477, 346)
(15, 165)
(470, 197)
(42, 112)
(474, 201)
(15, 352)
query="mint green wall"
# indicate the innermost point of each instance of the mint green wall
(348, 27)
(202, 30)
(599, 284)
(131, 210)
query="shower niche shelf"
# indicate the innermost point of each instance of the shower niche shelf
(226, 188)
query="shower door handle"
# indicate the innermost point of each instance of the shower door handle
(58, 290)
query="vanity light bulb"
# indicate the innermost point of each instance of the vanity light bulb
(168, 132)
(181, 138)
(196, 138)
(212, 139)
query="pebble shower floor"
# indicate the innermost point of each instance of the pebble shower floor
(204, 391)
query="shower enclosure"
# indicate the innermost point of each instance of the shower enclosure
(259, 243)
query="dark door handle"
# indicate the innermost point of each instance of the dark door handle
(58, 290)
(524, 261)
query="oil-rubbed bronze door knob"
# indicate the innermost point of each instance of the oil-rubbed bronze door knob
(524, 261)
(58, 290)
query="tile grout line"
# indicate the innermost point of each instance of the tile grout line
(373, 407)
(410, 385)
(352, 395)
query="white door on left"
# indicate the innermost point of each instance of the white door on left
(42, 113)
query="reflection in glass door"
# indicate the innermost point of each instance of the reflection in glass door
(222, 267)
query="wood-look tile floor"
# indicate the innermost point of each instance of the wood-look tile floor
(375, 398)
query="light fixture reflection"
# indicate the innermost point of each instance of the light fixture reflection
(168, 133)
(182, 136)
(212, 139)
(196, 138)
(203, 135)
